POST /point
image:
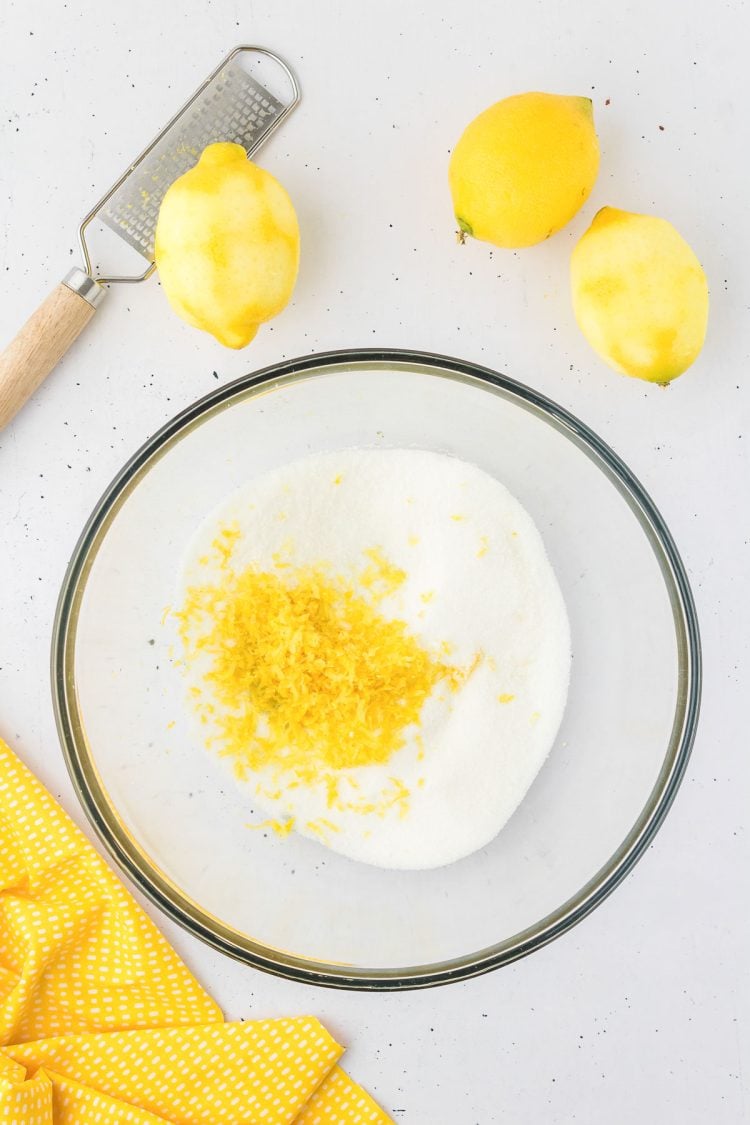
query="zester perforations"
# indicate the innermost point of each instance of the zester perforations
(233, 107)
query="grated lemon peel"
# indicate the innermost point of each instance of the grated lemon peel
(305, 675)
(281, 828)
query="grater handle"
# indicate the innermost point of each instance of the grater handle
(44, 340)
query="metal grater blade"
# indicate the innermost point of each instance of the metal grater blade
(231, 107)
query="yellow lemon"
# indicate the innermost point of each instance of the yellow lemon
(640, 295)
(522, 169)
(227, 245)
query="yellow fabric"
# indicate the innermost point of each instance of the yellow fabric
(101, 1022)
(76, 951)
(337, 1100)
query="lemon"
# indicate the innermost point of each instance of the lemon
(522, 169)
(640, 295)
(227, 245)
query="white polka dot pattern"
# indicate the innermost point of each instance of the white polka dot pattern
(339, 1100)
(76, 951)
(75, 1104)
(259, 1071)
(100, 1022)
(29, 1101)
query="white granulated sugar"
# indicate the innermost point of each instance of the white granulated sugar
(475, 553)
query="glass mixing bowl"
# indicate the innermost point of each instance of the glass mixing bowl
(170, 813)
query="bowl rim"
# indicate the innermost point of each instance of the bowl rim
(176, 904)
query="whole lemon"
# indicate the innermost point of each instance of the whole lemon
(522, 169)
(227, 245)
(640, 295)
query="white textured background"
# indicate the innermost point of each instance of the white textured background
(637, 1015)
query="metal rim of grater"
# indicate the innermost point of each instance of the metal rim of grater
(250, 95)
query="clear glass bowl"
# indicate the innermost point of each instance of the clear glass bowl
(169, 812)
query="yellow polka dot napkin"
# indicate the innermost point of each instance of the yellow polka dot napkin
(101, 1022)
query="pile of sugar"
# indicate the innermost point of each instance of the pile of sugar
(478, 581)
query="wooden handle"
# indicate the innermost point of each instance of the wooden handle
(39, 346)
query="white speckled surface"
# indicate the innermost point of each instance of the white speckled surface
(637, 1015)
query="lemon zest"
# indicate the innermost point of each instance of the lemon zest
(381, 578)
(321, 827)
(308, 677)
(282, 828)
